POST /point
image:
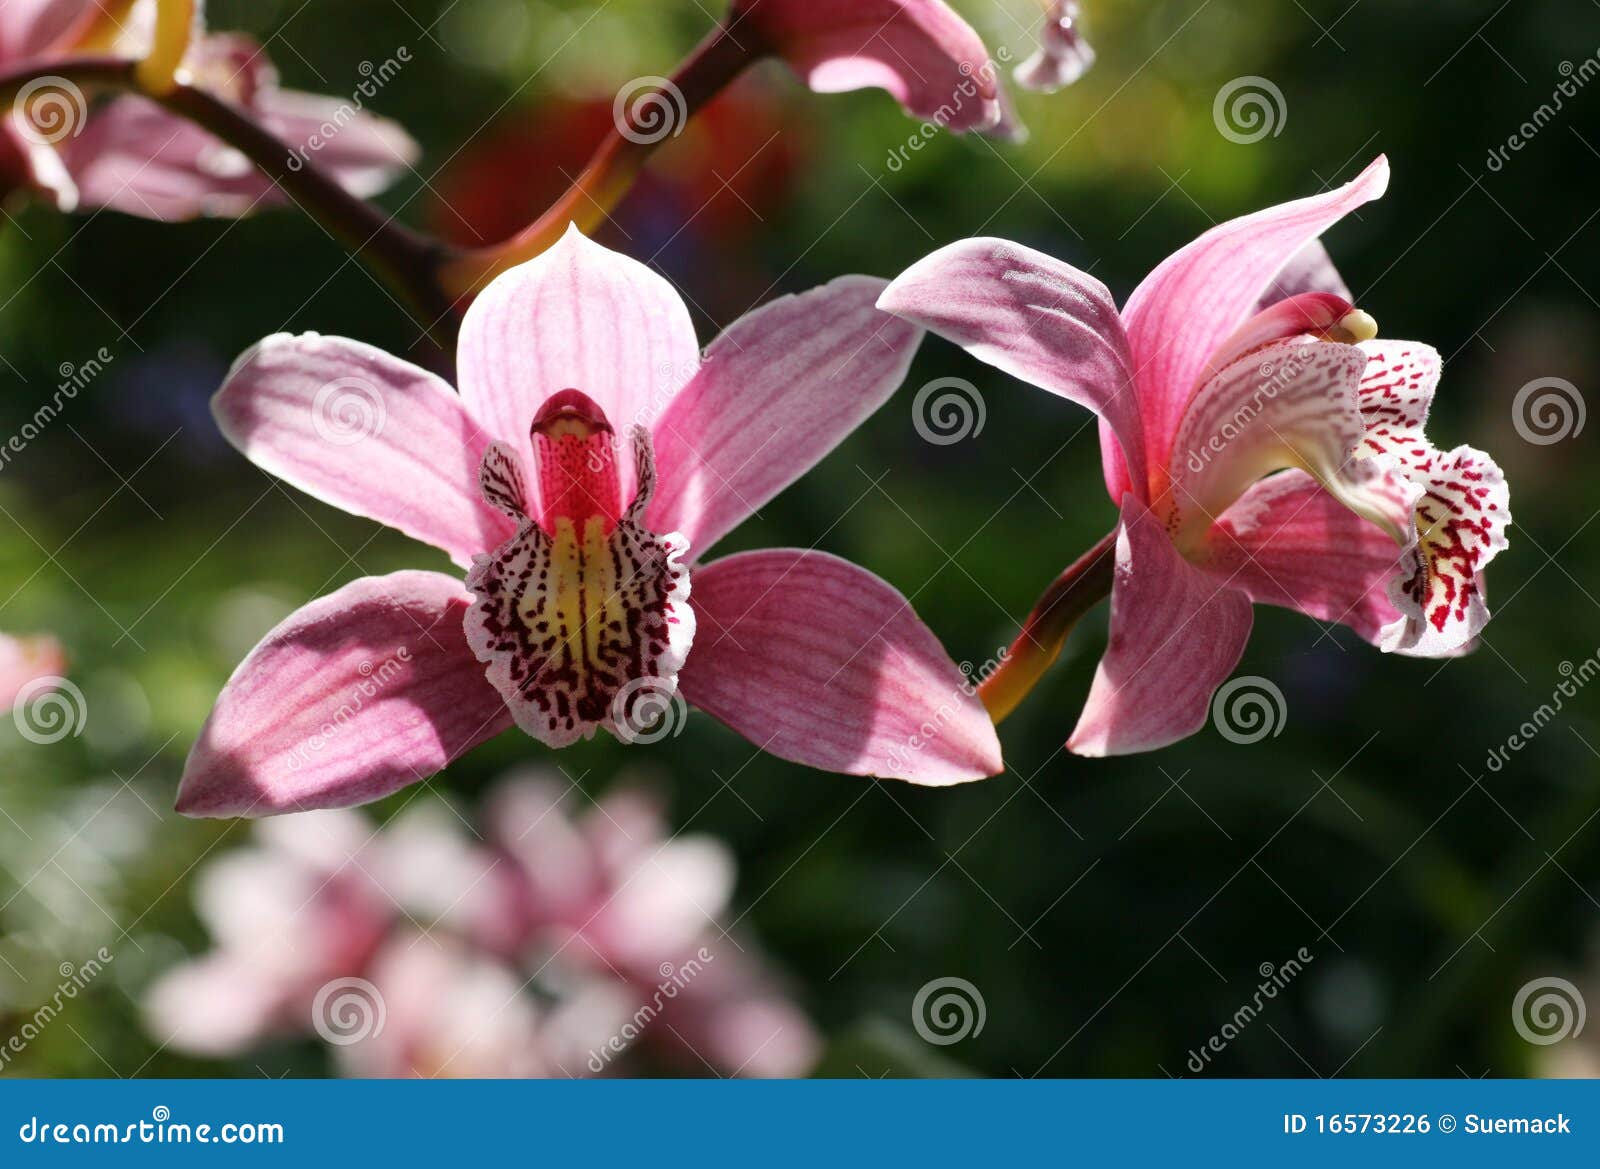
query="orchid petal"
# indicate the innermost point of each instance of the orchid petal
(363, 431)
(363, 152)
(1063, 56)
(929, 59)
(352, 697)
(1033, 317)
(1310, 269)
(579, 316)
(1288, 542)
(215, 1006)
(1176, 634)
(1461, 516)
(1184, 309)
(816, 660)
(779, 389)
(136, 158)
(29, 27)
(1289, 404)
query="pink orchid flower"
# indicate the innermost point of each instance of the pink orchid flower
(1063, 55)
(131, 155)
(925, 55)
(1262, 448)
(575, 615)
(27, 666)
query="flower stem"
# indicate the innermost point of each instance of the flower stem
(406, 261)
(174, 27)
(1085, 583)
(641, 126)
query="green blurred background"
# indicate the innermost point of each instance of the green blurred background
(1113, 914)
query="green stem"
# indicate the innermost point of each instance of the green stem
(406, 261)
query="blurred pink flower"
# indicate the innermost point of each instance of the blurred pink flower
(27, 665)
(925, 55)
(1238, 357)
(1063, 55)
(555, 948)
(131, 155)
(612, 891)
(581, 570)
(287, 915)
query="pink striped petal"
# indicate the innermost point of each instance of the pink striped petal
(928, 58)
(779, 389)
(354, 696)
(1288, 542)
(581, 317)
(1034, 317)
(818, 661)
(363, 152)
(366, 432)
(1289, 404)
(1176, 634)
(135, 157)
(1183, 310)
